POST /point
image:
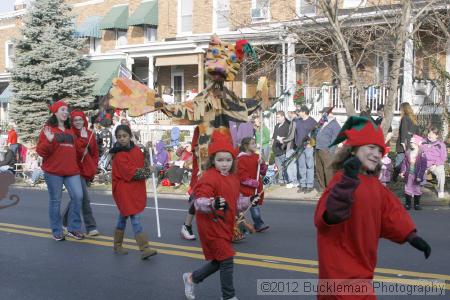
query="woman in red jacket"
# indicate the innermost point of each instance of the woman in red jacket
(129, 171)
(355, 211)
(87, 158)
(56, 145)
(217, 201)
(248, 162)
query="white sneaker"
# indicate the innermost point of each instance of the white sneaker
(291, 186)
(188, 286)
(185, 234)
(441, 195)
(93, 233)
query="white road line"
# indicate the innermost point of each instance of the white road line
(147, 207)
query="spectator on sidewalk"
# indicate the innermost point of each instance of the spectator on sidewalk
(304, 125)
(324, 155)
(379, 120)
(279, 149)
(7, 164)
(265, 137)
(291, 167)
(408, 127)
(33, 168)
(436, 153)
(12, 139)
(240, 130)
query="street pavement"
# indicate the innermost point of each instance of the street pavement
(33, 266)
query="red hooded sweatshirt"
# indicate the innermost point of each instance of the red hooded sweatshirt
(87, 163)
(59, 156)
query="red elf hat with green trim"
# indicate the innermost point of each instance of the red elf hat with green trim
(360, 131)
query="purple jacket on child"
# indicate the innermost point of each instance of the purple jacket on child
(435, 152)
(413, 183)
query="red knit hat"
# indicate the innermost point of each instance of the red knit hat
(55, 106)
(220, 142)
(79, 113)
(360, 131)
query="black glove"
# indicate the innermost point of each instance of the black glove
(420, 244)
(254, 200)
(217, 205)
(351, 167)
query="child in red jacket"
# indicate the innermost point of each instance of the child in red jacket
(217, 201)
(248, 162)
(87, 158)
(129, 171)
(355, 210)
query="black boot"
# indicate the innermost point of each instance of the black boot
(417, 205)
(408, 201)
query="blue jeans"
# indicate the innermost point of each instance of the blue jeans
(135, 222)
(291, 168)
(14, 148)
(306, 168)
(399, 159)
(37, 173)
(281, 176)
(256, 217)
(73, 186)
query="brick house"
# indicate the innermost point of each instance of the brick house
(163, 41)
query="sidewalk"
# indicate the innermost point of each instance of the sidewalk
(272, 193)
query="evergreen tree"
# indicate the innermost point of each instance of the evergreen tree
(48, 66)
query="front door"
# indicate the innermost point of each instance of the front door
(178, 86)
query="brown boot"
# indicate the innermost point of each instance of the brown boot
(118, 240)
(142, 241)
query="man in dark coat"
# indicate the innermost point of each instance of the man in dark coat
(279, 150)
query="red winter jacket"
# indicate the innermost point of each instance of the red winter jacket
(12, 137)
(88, 167)
(247, 168)
(130, 195)
(59, 156)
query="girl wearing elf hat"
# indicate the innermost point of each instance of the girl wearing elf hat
(56, 145)
(217, 202)
(356, 210)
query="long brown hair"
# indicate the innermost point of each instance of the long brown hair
(210, 163)
(408, 111)
(344, 153)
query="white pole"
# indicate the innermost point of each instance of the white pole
(260, 146)
(155, 195)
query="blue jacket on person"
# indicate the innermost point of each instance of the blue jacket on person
(327, 134)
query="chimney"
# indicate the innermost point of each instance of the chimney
(19, 4)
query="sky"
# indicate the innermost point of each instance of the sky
(7, 5)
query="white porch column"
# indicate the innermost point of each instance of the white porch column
(408, 69)
(291, 74)
(151, 69)
(447, 69)
(150, 82)
(130, 63)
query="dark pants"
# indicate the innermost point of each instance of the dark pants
(323, 168)
(226, 275)
(88, 217)
(398, 165)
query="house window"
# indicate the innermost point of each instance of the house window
(221, 14)
(121, 37)
(354, 3)
(260, 10)
(94, 45)
(184, 16)
(149, 34)
(9, 57)
(306, 7)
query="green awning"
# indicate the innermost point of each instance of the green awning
(6, 95)
(106, 71)
(90, 27)
(145, 14)
(116, 18)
